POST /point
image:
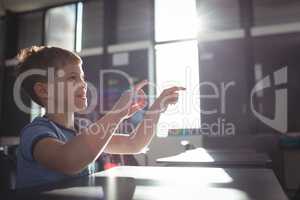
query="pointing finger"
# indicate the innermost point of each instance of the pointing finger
(174, 89)
(140, 85)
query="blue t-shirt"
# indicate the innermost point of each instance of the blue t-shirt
(29, 171)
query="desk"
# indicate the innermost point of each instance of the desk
(9, 141)
(161, 183)
(82, 188)
(217, 158)
(155, 183)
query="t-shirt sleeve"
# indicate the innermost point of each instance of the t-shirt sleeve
(31, 135)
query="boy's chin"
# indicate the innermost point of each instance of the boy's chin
(80, 108)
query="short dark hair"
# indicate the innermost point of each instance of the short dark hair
(42, 57)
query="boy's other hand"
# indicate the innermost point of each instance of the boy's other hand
(131, 101)
(168, 97)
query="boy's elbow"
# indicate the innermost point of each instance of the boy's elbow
(69, 168)
(70, 171)
(138, 149)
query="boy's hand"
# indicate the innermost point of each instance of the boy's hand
(131, 101)
(167, 97)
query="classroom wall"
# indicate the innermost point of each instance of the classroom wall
(220, 61)
(2, 38)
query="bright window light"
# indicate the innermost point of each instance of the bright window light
(175, 19)
(36, 111)
(60, 27)
(79, 27)
(177, 64)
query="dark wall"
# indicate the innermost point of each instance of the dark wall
(134, 20)
(30, 28)
(273, 53)
(228, 61)
(2, 43)
(12, 118)
(22, 30)
(224, 64)
(92, 24)
(236, 59)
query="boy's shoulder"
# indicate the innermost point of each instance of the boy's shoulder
(38, 122)
(33, 132)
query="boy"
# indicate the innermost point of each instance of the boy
(51, 149)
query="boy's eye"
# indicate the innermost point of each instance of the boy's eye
(72, 78)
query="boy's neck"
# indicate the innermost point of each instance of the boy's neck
(64, 119)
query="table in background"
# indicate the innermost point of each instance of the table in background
(218, 158)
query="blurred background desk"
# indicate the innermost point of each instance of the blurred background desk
(9, 141)
(8, 161)
(218, 158)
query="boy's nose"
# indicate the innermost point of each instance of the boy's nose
(83, 83)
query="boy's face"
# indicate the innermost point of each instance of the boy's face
(70, 89)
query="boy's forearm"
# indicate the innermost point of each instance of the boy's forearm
(139, 137)
(90, 143)
(145, 131)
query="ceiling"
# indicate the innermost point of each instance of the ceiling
(27, 5)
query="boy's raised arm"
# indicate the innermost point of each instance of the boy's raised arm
(73, 156)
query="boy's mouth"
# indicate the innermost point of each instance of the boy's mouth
(81, 96)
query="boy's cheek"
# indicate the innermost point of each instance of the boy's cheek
(80, 104)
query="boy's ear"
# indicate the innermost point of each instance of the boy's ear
(41, 90)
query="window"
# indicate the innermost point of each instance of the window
(60, 27)
(176, 52)
(175, 20)
(177, 64)
(30, 29)
(78, 26)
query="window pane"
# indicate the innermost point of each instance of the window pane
(92, 24)
(175, 19)
(215, 15)
(134, 20)
(177, 64)
(30, 29)
(276, 12)
(60, 27)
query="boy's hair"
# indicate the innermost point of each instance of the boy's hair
(42, 57)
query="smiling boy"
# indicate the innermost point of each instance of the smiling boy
(51, 148)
